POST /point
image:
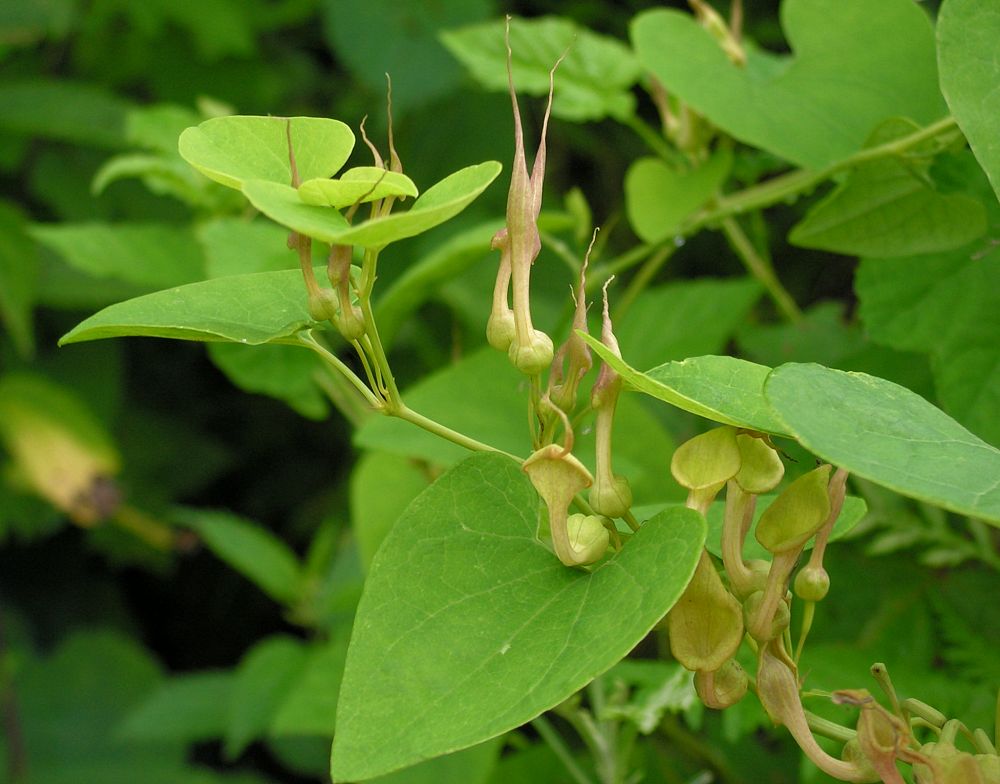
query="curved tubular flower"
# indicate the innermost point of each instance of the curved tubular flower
(557, 477)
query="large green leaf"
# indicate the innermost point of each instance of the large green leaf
(252, 309)
(440, 202)
(855, 63)
(469, 626)
(658, 197)
(153, 255)
(233, 150)
(888, 434)
(890, 208)
(967, 32)
(468, 766)
(593, 80)
(723, 389)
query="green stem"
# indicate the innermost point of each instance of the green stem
(794, 184)
(559, 748)
(343, 395)
(409, 415)
(760, 267)
(308, 340)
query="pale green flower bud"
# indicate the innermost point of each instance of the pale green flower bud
(500, 330)
(350, 323)
(722, 688)
(753, 607)
(812, 584)
(588, 537)
(322, 304)
(533, 357)
(611, 496)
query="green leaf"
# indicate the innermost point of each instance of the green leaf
(424, 278)
(469, 626)
(236, 247)
(148, 254)
(593, 80)
(382, 486)
(284, 372)
(658, 197)
(382, 37)
(855, 63)
(948, 306)
(18, 279)
(686, 319)
(262, 682)
(966, 31)
(888, 434)
(440, 202)
(73, 112)
(356, 186)
(233, 150)
(188, 707)
(252, 309)
(250, 549)
(473, 765)
(889, 208)
(723, 389)
(309, 706)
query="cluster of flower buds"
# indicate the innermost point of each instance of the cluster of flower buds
(511, 329)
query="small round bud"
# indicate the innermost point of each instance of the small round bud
(350, 323)
(751, 608)
(500, 330)
(323, 305)
(812, 583)
(722, 688)
(534, 356)
(611, 498)
(588, 537)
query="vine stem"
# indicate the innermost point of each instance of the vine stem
(795, 183)
(550, 736)
(760, 267)
(431, 426)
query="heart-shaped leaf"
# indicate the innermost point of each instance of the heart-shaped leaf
(232, 150)
(967, 31)
(469, 626)
(889, 208)
(358, 185)
(440, 202)
(658, 197)
(886, 433)
(855, 64)
(252, 309)
(723, 389)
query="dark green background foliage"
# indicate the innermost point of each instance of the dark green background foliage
(200, 636)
